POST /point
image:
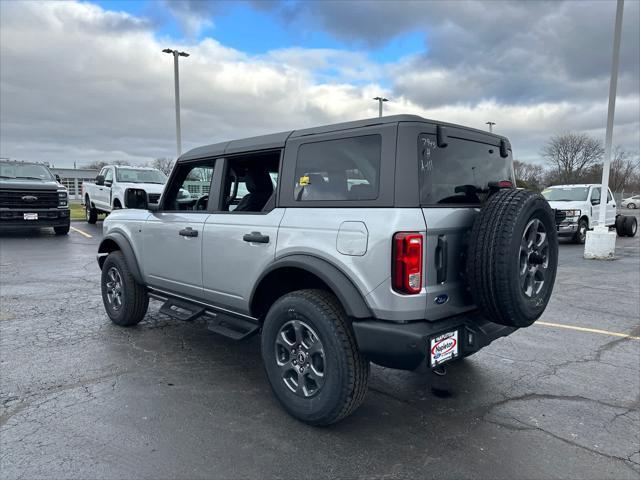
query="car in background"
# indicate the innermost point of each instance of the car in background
(109, 191)
(32, 197)
(631, 202)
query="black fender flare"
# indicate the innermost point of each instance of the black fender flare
(127, 250)
(348, 294)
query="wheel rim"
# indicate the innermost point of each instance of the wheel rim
(87, 210)
(582, 229)
(115, 288)
(300, 358)
(534, 258)
(634, 228)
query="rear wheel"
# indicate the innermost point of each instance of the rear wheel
(631, 205)
(125, 301)
(91, 214)
(620, 226)
(513, 257)
(311, 357)
(630, 226)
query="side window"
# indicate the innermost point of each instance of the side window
(189, 189)
(250, 182)
(108, 175)
(595, 194)
(343, 169)
(609, 197)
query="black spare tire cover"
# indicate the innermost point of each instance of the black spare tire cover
(513, 257)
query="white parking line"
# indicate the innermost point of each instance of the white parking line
(590, 330)
(77, 230)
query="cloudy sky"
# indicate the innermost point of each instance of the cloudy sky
(86, 81)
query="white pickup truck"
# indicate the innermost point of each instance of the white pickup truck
(110, 187)
(581, 206)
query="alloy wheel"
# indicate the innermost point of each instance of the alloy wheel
(534, 258)
(300, 358)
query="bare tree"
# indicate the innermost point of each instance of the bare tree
(622, 173)
(528, 175)
(164, 164)
(570, 155)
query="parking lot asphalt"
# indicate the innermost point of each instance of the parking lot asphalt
(82, 398)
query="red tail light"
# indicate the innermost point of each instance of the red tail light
(407, 263)
(505, 184)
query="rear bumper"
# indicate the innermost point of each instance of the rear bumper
(57, 217)
(406, 345)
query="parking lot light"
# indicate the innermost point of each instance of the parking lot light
(176, 75)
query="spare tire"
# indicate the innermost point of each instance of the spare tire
(513, 257)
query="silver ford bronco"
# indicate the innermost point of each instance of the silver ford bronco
(399, 240)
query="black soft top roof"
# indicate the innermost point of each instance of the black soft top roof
(277, 140)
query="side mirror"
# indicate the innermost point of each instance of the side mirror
(100, 180)
(595, 201)
(136, 198)
(58, 178)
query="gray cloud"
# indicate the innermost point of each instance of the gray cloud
(80, 83)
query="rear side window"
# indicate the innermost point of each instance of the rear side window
(343, 169)
(461, 172)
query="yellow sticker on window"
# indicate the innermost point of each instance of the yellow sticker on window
(304, 180)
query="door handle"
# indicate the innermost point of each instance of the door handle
(188, 232)
(255, 237)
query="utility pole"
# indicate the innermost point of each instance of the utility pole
(380, 101)
(176, 76)
(491, 124)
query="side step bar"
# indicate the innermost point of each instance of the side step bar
(235, 327)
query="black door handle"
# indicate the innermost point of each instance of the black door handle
(255, 237)
(188, 232)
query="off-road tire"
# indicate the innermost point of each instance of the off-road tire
(630, 226)
(581, 234)
(63, 230)
(346, 369)
(620, 226)
(494, 257)
(135, 300)
(91, 213)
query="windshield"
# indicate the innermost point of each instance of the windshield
(133, 175)
(461, 172)
(566, 194)
(25, 170)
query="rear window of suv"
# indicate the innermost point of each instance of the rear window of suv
(461, 172)
(342, 169)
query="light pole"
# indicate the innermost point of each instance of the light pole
(380, 100)
(176, 76)
(491, 124)
(600, 243)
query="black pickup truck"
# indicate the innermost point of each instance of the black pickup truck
(32, 197)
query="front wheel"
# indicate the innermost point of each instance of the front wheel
(125, 301)
(91, 214)
(63, 230)
(311, 357)
(581, 234)
(631, 205)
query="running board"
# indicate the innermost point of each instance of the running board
(227, 324)
(232, 327)
(181, 310)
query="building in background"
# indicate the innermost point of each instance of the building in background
(72, 178)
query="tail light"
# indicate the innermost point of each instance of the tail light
(505, 184)
(407, 263)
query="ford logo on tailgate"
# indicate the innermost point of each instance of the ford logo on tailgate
(441, 299)
(29, 198)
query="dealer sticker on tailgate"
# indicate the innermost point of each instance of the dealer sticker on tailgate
(30, 216)
(444, 348)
